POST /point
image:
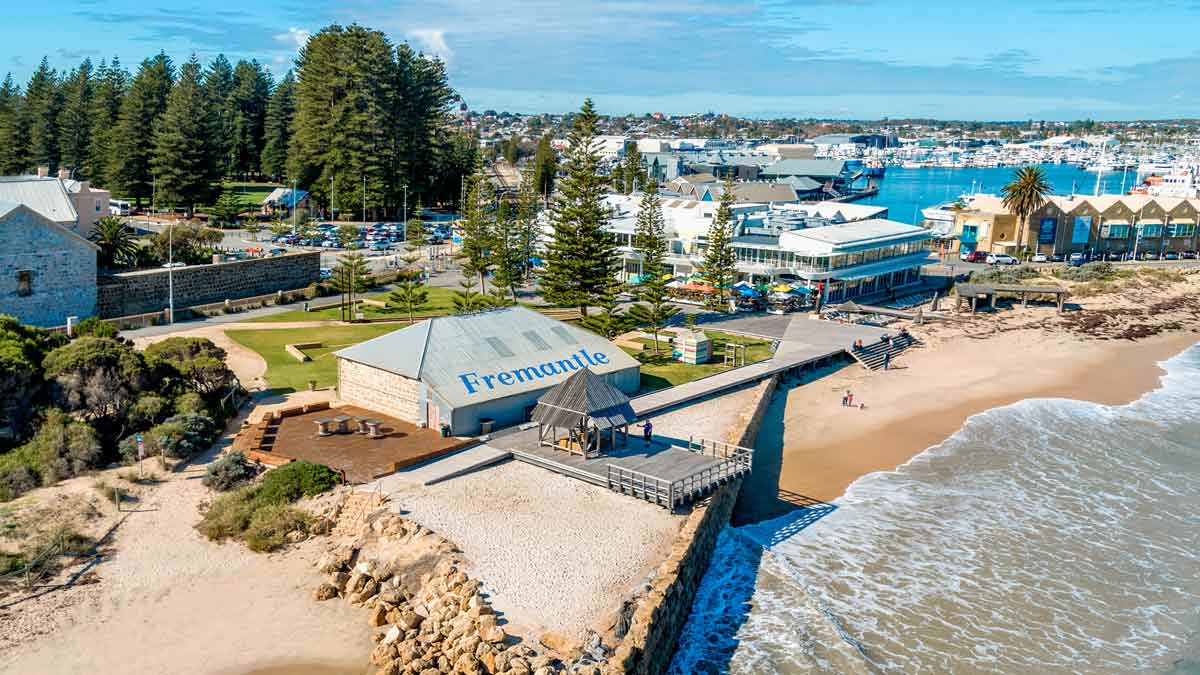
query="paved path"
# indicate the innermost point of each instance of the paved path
(804, 341)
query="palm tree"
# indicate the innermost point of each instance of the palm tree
(1025, 195)
(409, 295)
(118, 244)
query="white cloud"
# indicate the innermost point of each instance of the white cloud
(296, 36)
(433, 41)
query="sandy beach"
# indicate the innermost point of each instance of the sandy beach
(818, 447)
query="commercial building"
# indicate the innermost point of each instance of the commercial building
(1107, 224)
(463, 370)
(848, 250)
(47, 271)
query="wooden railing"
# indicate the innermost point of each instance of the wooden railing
(735, 461)
(641, 485)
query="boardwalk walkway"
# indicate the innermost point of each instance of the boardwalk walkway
(805, 341)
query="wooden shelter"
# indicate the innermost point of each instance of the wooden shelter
(591, 412)
(976, 292)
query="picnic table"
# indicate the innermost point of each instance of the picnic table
(371, 428)
(323, 426)
(343, 424)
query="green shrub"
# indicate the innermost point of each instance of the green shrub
(64, 447)
(147, 410)
(229, 515)
(1093, 271)
(16, 481)
(1005, 275)
(228, 472)
(270, 524)
(179, 437)
(189, 403)
(295, 480)
(95, 327)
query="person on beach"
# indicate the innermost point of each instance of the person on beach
(850, 398)
(887, 360)
(845, 399)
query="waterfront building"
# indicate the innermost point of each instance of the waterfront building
(1107, 224)
(847, 250)
(463, 370)
(48, 271)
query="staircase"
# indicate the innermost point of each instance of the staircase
(354, 512)
(871, 356)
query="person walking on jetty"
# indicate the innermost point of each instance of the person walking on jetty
(647, 433)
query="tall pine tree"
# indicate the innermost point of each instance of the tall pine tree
(248, 105)
(75, 120)
(143, 105)
(720, 261)
(277, 128)
(12, 151)
(109, 87)
(218, 90)
(581, 259)
(650, 240)
(186, 160)
(545, 163)
(43, 102)
(478, 228)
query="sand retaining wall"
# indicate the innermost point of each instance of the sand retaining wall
(661, 613)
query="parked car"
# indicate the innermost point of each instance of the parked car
(1057, 257)
(1076, 259)
(174, 264)
(1040, 258)
(1170, 255)
(1188, 255)
(974, 256)
(1001, 259)
(326, 273)
(278, 250)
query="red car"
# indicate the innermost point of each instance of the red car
(974, 257)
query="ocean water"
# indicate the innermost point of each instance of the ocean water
(1049, 536)
(906, 191)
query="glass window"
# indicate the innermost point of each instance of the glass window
(24, 282)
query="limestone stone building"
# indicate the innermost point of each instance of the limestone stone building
(461, 370)
(47, 271)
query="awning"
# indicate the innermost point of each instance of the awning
(1150, 221)
(1182, 221)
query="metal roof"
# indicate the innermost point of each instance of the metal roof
(46, 196)
(824, 168)
(584, 398)
(858, 234)
(471, 358)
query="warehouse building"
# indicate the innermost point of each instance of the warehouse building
(467, 369)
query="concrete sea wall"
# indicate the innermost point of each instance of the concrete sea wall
(649, 645)
(147, 291)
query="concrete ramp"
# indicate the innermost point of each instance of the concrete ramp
(443, 468)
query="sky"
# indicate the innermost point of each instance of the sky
(848, 59)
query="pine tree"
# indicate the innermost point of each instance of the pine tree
(581, 259)
(720, 261)
(218, 91)
(143, 105)
(108, 89)
(410, 295)
(609, 321)
(650, 240)
(506, 255)
(228, 207)
(12, 157)
(428, 160)
(545, 163)
(478, 228)
(528, 225)
(43, 102)
(185, 155)
(248, 105)
(635, 175)
(345, 96)
(75, 120)
(277, 128)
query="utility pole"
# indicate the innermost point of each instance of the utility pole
(171, 272)
(331, 216)
(295, 206)
(364, 198)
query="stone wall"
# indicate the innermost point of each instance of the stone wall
(60, 266)
(147, 290)
(379, 390)
(661, 613)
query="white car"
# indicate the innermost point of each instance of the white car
(1001, 259)
(1040, 257)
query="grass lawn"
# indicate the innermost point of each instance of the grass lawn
(286, 374)
(439, 303)
(250, 195)
(659, 372)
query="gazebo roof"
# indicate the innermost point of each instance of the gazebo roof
(584, 397)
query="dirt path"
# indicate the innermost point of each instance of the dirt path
(169, 601)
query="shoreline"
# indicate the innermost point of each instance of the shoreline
(813, 448)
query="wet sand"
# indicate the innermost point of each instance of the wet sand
(811, 448)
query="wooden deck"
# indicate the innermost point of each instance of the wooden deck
(662, 473)
(362, 458)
